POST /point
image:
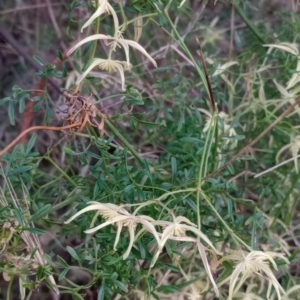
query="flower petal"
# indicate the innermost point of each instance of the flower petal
(100, 10)
(88, 208)
(89, 39)
(114, 220)
(137, 46)
(202, 253)
(94, 64)
(118, 235)
(131, 240)
(288, 47)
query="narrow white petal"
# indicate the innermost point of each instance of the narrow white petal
(131, 240)
(121, 72)
(295, 78)
(155, 257)
(89, 39)
(185, 220)
(126, 49)
(202, 236)
(88, 208)
(137, 46)
(118, 235)
(182, 2)
(165, 235)
(94, 64)
(233, 278)
(150, 228)
(100, 10)
(206, 266)
(92, 230)
(114, 220)
(288, 47)
(282, 90)
(115, 18)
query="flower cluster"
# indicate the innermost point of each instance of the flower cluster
(249, 265)
(113, 42)
(171, 230)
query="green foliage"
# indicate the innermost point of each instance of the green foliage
(161, 162)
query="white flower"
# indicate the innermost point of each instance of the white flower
(119, 216)
(107, 65)
(116, 42)
(176, 230)
(249, 264)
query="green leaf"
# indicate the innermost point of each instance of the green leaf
(73, 253)
(93, 79)
(69, 151)
(19, 216)
(121, 285)
(87, 47)
(59, 55)
(4, 100)
(63, 274)
(142, 250)
(64, 70)
(11, 113)
(162, 69)
(174, 167)
(31, 143)
(20, 169)
(36, 99)
(35, 230)
(191, 140)
(38, 106)
(167, 289)
(146, 123)
(62, 261)
(38, 60)
(49, 114)
(49, 261)
(22, 103)
(16, 91)
(101, 291)
(42, 211)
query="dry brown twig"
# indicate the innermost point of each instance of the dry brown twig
(80, 112)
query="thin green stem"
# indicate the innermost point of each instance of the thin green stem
(9, 288)
(124, 141)
(236, 239)
(109, 97)
(157, 200)
(61, 171)
(125, 20)
(203, 166)
(143, 16)
(247, 21)
(29, 295)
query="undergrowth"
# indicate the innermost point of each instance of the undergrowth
(175, 175)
